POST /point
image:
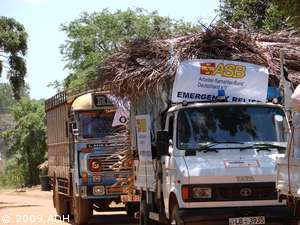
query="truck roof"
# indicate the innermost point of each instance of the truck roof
(206, 104)
(65, 98)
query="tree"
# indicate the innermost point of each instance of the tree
(6, 96)
(94, 36)
(254, 14)
(291, 9)
(58, 86)
(27, 140)
(13, 47)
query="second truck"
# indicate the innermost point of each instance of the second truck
(90, 163)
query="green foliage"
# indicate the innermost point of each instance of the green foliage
(94, 36)
(254, 14)
(14, 174)
(58, 86)
(13, 47)
(290, 8)
(26, 140)
(6, 96)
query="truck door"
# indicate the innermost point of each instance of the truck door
(168, 164)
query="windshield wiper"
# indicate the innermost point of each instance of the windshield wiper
(211, 146)
(263, 147)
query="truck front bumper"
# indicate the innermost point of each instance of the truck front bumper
(274, 215)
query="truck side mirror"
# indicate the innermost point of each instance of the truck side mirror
(162, 138)
(74, 129)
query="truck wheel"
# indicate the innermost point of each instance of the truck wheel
(60, 202)
(81, 210)
(144, 214)
(131, 208)
(175, 218)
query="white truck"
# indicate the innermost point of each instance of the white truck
(208, 156)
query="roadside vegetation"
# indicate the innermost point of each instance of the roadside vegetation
(23, 130)
(26, 142)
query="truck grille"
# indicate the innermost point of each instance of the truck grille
(110, 162)
(241, 191)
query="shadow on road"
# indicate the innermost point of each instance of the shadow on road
(17, 206)
(5, 203)
(111, 220)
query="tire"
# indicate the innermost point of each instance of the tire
(131, 208)
(175, 218)
(81, 210)
(144, 215)
(60, 202)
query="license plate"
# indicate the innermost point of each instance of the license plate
(127, 198)
(247, 220)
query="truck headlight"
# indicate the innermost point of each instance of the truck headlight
(98, 190)
(201, 192)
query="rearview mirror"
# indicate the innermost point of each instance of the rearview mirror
(74, 129)
(162, 138)
(279, 126)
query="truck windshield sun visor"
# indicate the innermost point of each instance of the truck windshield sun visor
(231, 127)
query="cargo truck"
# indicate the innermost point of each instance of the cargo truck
(208, 144)
(90, 163)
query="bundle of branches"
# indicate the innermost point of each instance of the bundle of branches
(140, 65)
(287, 41)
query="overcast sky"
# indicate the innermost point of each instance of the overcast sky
(42, 20)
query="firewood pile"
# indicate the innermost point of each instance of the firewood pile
(142, 64)
(287, 41)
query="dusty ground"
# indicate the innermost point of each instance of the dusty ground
(35, 207)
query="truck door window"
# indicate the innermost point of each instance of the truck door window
(171, 127)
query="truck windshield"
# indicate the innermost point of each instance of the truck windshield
(96, 124)
(230, 124)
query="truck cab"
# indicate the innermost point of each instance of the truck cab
(218, 164)
(98, 146)
(222, 156)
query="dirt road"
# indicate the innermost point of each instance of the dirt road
(34, 207)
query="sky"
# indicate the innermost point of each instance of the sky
(42, 20)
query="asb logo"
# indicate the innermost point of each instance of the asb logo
(208, 68)
(224, 70)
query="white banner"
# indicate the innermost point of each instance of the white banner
(122, 113)
(201, 79)
(143, 127)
